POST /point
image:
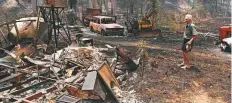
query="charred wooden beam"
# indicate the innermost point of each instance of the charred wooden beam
(22, 80)
(11, 77)
(18, 77)
(39, 94)
(74, 91)
(18, 84)
(4, 74)
(30, 87)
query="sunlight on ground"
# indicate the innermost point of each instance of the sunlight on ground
(203, 97)
(197, 97)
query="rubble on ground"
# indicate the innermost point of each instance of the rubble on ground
(45, 78)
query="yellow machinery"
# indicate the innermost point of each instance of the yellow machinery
(144, 22)
(146, 25)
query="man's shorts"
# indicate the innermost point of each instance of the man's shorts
(185, 44)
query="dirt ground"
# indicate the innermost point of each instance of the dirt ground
(160, 80)
(207, 81)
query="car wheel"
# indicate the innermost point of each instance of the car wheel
(222, 46)
(103, 33)
(91, 29)
(228, 49)
(225, 47)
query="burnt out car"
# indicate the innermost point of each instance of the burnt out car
(106, 26)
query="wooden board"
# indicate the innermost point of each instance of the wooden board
(107, 75)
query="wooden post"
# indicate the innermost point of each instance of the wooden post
(90, 4)
(95, 4)
(106, 6)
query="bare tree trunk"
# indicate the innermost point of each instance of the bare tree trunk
(215, 12)
(226, 3)
(90, 4)
(127, 10)
(100, 4)
(113, 7)
(141, 8)
(227, 8)
(95, 4)
(222, 11)
(79, 9)
(34, 6)
(106, 6)
(131, 8)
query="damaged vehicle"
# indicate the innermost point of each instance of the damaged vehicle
(88, 15)
(225, 38)
(106, 26)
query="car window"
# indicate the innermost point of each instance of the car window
(96, 20)
(107, 21)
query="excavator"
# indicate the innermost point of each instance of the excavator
(144, 26)
(145, 22)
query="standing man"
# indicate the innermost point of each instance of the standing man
(190, 35)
